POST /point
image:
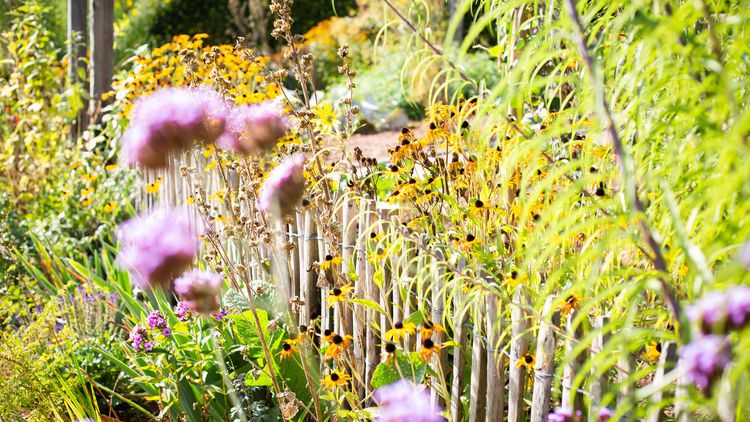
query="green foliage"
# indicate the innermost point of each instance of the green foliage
(407, 366)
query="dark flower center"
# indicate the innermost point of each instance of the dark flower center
(334, 377)
(658, 347)
(329, 258)
(433, 126)
(390, 347)
(571, 299)
(399, 325)
(428, 344)
(327, 333)
(405, 130)
(470, 237)
(337, 292)
(287, 347)
(337, 339)
(303, 328)
(478, 203)
(513, 274)
(373, 235)
(380, 251)
(394, 168)
(528, 359)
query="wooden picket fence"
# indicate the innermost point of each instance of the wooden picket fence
(498, 389)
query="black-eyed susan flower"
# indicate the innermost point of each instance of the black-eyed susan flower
(336, 379)
(87, 192)
(338, 346)
(67, 193)
(337, 294)
(526, 361)
(110, 206)
(86, 202)
(110, 166)
(90, 178)
(571, 304)
(330, 262)
(288, 348)
(427, 349)
(400, 330)
(467, 243)
(513, 278)
(328, 336)
(428, 328)
(653, 351)
(154, 186)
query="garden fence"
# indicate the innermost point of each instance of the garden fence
(485, 350)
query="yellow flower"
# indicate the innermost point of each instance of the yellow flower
(208, 151)
(111, 206)
(86, 202)
(211, 165)
(428, 349)
(514, 278)
(154, 187)
(219, 195)
(87, 192)
(338, 294)
(527, 361)
(429, 327)
(110, 167)
(327, 336)
(653, 351)
(338, 346)
(336, 379)
(66, 193)
(288, 349)
(571, 304)
(400, 330)
(326, 115)
(330, 262)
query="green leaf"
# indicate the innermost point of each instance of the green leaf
(407, 366)
(368, 304)
(258, 379)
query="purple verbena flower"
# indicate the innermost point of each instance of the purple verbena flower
(403, 401)
(563, 415)
(719, 312)
(157, 247)
(705, 358)
(166, 332)
(136, 337)
(220, 314)
(183, 311)
(256, 127)
(200, 289)
(156, 321)
(59, 325)
(284, 186)
(148, 346)
(738, 306)
(171, 120)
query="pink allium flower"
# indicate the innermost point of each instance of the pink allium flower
(719, 312)
(605, 414)
(705, 358)
(200, 289)
(157, 247)
(564, 415)
(403, 401)
(284, 186)
(171, 120)
(256, 127)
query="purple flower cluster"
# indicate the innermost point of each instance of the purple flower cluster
(256, 128)
(605, 414)
(220, 314)
(720, 312)
(200, 289)
(183, 311)
(284, 186)
(156, 321)
(564, 415)
(403, 401)
(705, 358)
(157, 247)
(171, 120)
(139, 338)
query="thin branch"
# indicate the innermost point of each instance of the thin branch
(432, 47)
(619, 151)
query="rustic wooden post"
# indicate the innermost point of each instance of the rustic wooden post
(371, 292)
(545, 363)
(359, 323)
(309, 279)
(666, 364)
(77, 35)
(459, 355)
(477, 403)
(518, 348)
(439, 363)
(102, 51)
(571, 398)
(495, 362)
(597, 346)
